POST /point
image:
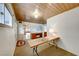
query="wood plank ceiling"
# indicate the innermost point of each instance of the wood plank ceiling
(23, 11)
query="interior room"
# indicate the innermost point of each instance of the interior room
(39, 29)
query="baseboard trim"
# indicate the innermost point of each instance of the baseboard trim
(67, 51)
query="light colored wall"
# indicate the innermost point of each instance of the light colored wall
(26, 50)
(45, 27)
(32, 27)
(36, 28)
(8, 38)
(67, 26)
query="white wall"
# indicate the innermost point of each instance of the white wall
(45, 27)
(8, 38)
(34, 27)
(31, 27)
(67, 26)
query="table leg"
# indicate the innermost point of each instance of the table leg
(35, 50)
(55, 44)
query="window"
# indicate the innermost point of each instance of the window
(5, 16)
(8, 17)
(2, 13)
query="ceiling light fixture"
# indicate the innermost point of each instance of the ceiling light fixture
(36, 13)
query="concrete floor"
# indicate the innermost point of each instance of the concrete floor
(43, 50)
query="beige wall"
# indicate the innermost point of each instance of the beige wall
(8, 37)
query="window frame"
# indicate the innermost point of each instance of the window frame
(8, 9)
(6, 6)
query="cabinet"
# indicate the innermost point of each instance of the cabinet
(36, 35)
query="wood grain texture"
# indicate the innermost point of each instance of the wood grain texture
(23, 11)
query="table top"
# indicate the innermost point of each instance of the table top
(52, 37)
(39, 41)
